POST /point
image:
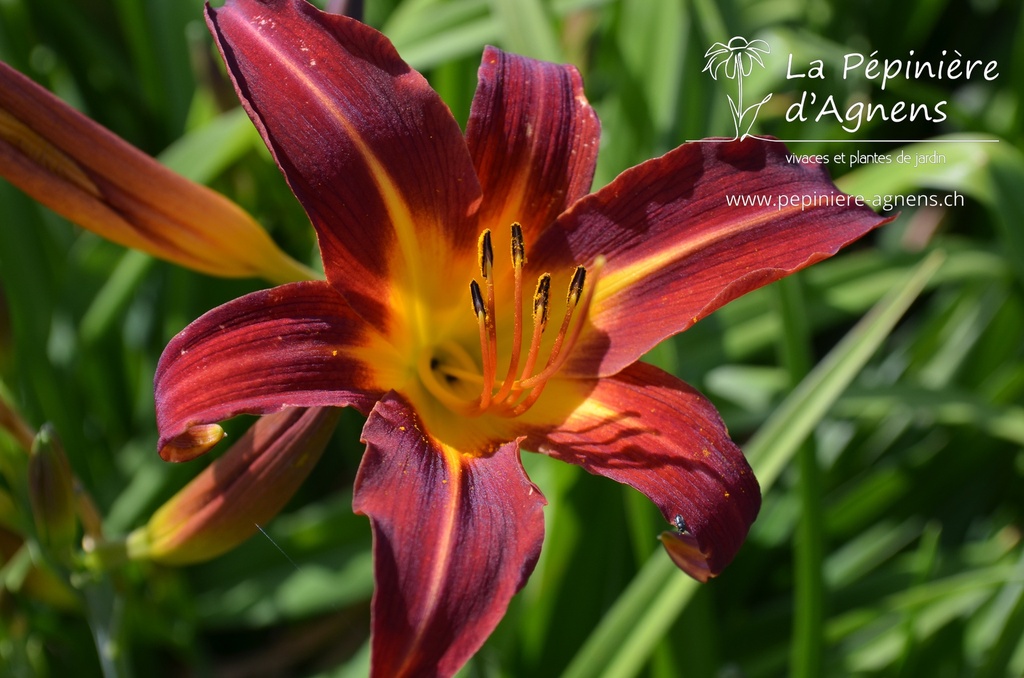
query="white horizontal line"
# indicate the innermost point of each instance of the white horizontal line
(854, 141)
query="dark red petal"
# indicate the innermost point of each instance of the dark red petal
(533, 137)
(291, 346)
(647, 429)
(371, 152)
(677, 250)
(454, 538)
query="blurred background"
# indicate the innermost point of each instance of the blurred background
(879, 395)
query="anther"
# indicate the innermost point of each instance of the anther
(540, 300)
(511, 396)
(487, 343)
(557, 357)
(478, 300)
(518, 248)
(579, 279)
(486, 254)
(571, 300)
(488, 330)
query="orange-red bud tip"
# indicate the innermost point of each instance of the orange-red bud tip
(192, 443)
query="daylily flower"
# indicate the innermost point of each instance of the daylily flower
(442, 317)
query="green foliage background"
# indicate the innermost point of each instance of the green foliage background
(890, 449)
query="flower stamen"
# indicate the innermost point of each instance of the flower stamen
(518, 259)
(540, 320)
(488, 342)
(509, 399)
(560, 351)
(572, 299)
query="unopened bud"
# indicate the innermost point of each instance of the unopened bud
(245, 487)
(51, 492)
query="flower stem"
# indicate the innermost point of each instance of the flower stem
(807, 647)
(104, 607)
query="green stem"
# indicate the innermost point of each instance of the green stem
(104, 610)
(102, 555)
(629, 631)
(807, 649)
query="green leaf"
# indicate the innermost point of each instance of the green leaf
(527, 29)
(771, 449)
(427, 32)
(203, 153)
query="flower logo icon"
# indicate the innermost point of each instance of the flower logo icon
(737, 58)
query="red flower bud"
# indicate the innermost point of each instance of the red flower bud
(247, 486)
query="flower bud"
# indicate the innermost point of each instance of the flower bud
(245, 487)
(90, 176)
(51, 492)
